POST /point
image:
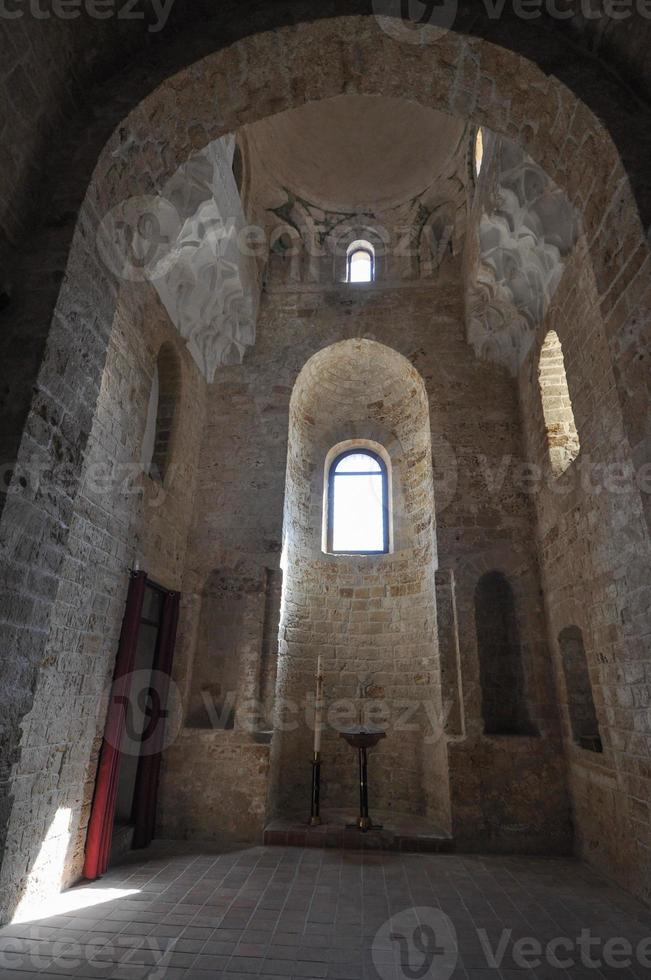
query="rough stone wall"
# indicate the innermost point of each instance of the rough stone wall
(484, 523)
(215, 788)
(121, 516)
(594, 549)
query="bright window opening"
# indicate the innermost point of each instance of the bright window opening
(479, 151)
(358, 518)
(360, 262)
(562, 436)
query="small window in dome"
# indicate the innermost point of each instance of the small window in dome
(360, 265)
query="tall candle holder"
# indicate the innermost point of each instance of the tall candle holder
(315, 815)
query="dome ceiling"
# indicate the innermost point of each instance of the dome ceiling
(355, 152)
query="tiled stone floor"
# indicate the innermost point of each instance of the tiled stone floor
(281, 912)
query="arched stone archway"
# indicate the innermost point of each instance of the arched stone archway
(460, 75)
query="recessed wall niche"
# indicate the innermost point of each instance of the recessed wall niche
(372, 617)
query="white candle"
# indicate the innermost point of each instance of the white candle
(318, 707)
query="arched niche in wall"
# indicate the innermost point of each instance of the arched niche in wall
(286, 254)
(562, 437)
(238, 167)
(580, 701)
(371, 617)
(234, 663)
(161, 411)
(504, 707)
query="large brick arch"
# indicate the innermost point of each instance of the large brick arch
(270, 72)
(257, 76)
(90, 74)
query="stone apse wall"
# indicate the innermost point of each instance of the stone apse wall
(372, 618)
(122, 516)
(376, 618)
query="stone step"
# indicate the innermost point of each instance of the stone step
(401, 834)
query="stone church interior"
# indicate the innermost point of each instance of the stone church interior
(326, 491)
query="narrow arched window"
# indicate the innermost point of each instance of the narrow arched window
(360, 262)
(580, 702)
(504, 708)
(238, 167)
(478, 151)
(161, 410)
(149, 438)
(562, 437)
(358, 521)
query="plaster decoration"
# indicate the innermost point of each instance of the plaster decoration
(525, 229)
(207, 281)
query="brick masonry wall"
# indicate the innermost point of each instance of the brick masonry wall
(594, 549)
(484, 522)
(215, 788)
(120, 516)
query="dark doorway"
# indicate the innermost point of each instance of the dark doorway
(124, 803)
(139, 713)
(580, 702)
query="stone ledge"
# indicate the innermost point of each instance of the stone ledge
(403, 836)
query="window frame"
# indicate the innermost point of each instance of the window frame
(353, 249)
(384, 474)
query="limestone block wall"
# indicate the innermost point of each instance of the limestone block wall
(121, 515)
(594, 550)
(371, 618)
(215, 788)
(484, 522)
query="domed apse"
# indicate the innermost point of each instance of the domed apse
(372, 618)
(356, 152)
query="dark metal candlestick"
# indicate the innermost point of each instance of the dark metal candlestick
(363, 821)
(361, 737)
(315, 816)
